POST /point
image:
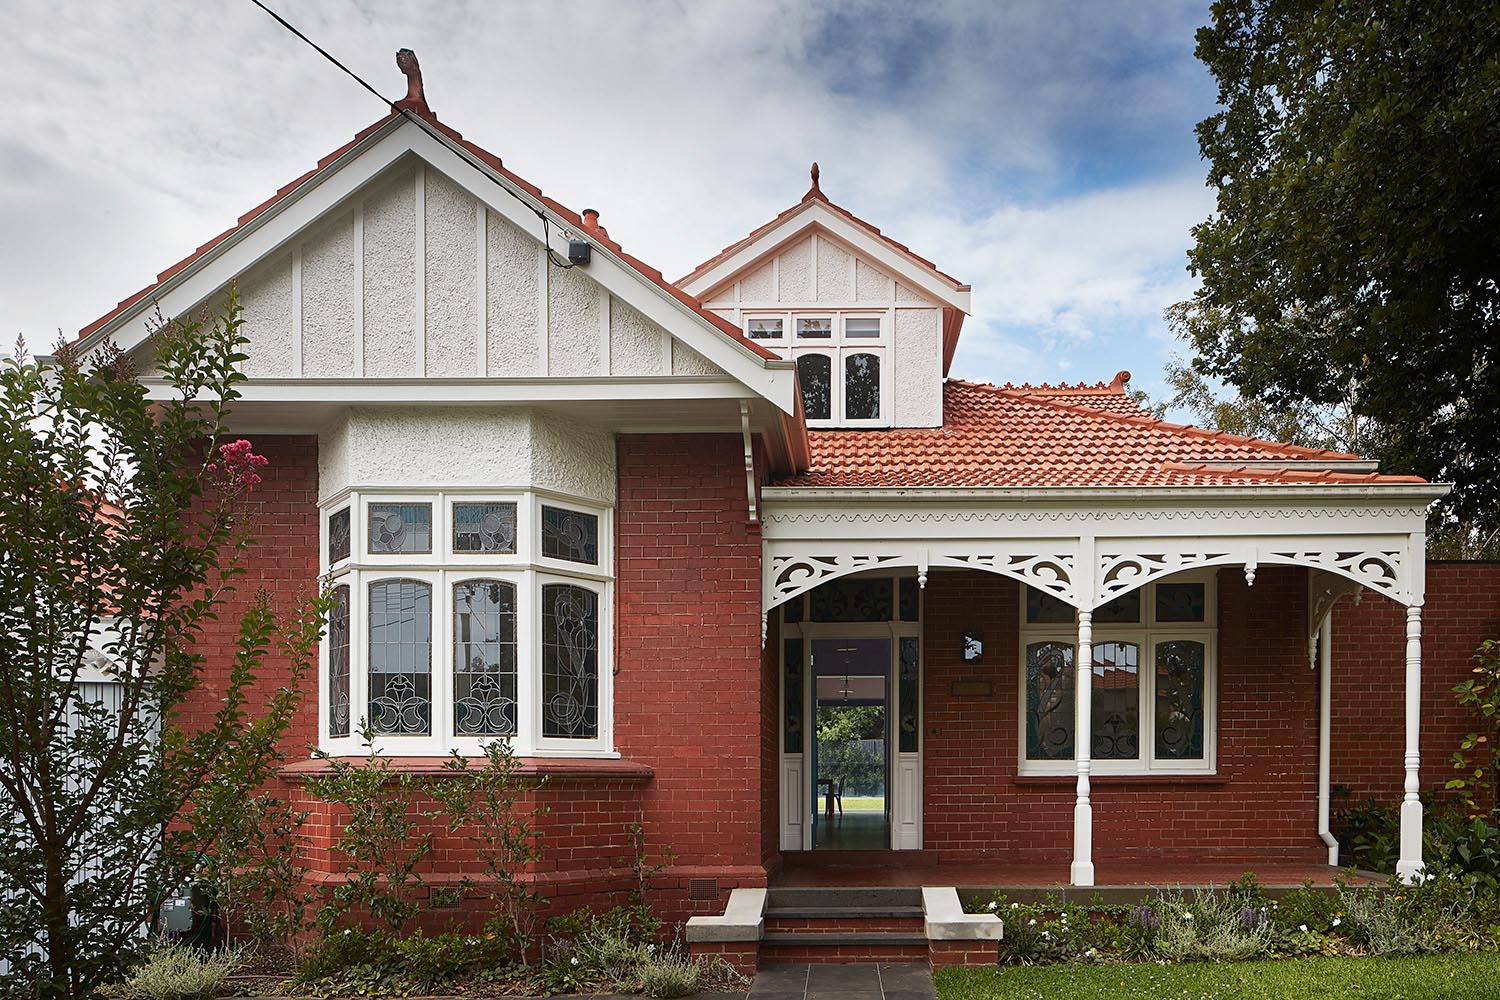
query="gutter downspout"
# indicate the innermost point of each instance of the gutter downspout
(1325, 732)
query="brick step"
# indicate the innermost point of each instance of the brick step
(844, 922)
(876, 946)
(843, 898)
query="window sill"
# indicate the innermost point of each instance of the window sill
(570, 768)
(1129, 780)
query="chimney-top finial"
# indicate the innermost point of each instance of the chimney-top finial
(416, 97)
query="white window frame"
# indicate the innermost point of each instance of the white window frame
(441, 569)
(1148, 634)
(837, 347)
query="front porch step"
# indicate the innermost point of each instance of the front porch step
(845, 922)
(843, 947)
(844, 898)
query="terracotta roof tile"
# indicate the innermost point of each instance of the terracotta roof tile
(1040, 436)
(491, 161)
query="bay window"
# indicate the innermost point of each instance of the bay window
(1153, 681)
(460, 617)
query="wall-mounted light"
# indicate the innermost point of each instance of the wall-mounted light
(973, 646)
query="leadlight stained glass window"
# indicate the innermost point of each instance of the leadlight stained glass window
(1179, 699)
(400, 527)
(852, 599)
(570, 662)
(1043, 608)
(909, 599)
(817, 328)
(484, 527)
(1116, 698)
(570, 534)
(768, 328)
(815, 376)
(792, 695)
(1123, 610)
(1179, 602)
(338, 660)
(861, 387)
(484, 658)
(1049, 701)
(400, 656)
(908, 738)
(338, 535)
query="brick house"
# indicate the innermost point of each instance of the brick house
(647, 529)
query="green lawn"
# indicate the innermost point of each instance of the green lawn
(863, 804)
(1434, 977)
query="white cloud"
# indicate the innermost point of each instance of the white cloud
(137, 132)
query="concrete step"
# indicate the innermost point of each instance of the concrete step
(843, 898)
(873, 946)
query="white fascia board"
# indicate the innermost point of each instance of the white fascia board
(377, 391)
(278, 225)
(815, 213)
(834, 495)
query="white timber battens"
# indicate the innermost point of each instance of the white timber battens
(1082, 869)
(1409, 865)
(543, 321)
(419, 230)
(297, 311)
(359, 290)
(481, 284)
(602, 296)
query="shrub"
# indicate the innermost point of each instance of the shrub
(1211, 926)
(671, 974)
(172, 972)
(1307, 907)
(1378, 921)
(361, 962)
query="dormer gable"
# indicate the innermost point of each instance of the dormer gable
(871, 326)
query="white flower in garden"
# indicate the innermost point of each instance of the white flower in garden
(1187, 916)
(1032, 923)
(1047, 935)
(1302, 928)
(1337, 921)
(994, 905)
(573, 960)
(346, 930)
(650, 949)
(1015, 906)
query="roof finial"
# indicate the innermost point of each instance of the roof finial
(814, 191)
(1120, 381)
(416, 97)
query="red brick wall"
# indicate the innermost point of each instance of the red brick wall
(1262, 806)
(1369, 668)
(688, 693)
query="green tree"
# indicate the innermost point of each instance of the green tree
(121, 536)
(1355, 247)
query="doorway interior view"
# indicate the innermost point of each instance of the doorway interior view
(850, 744)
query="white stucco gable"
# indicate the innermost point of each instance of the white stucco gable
(409, 256)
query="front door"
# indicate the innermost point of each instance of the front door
(851, 719)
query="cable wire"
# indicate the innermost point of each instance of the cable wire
(425, 126)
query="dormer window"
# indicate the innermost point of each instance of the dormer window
(843, 363)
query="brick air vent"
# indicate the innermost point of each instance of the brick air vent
(703, 888)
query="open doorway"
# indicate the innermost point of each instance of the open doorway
(851, 758)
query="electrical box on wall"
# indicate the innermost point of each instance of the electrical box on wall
(580, 252)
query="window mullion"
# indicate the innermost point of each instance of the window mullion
(528, 655)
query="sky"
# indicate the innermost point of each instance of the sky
(1041, 151)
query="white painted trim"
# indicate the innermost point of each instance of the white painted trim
(1081, 872)
(419, 289)
(1409, 867)
(798, 224)
(381, 391)
(1325, 736)
(297, 311)
(482, 286)
(359, 289)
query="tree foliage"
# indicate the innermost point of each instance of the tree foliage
(1355, 250)
(121, 538)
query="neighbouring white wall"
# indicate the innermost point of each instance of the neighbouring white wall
(820, 273)
(415, 278)
(425, 447)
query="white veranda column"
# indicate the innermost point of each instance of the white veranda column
(1082, 872)
(1409, 866)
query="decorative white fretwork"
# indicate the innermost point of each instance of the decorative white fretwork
(1376, 568)
(1051, 572)
(1124, 571)
(1323, 591)
(793, 575)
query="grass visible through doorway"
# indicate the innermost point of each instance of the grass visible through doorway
(864, 803)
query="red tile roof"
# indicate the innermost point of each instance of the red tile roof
(490, 160)
(1049, 436)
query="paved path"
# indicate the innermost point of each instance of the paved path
(844, 982)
